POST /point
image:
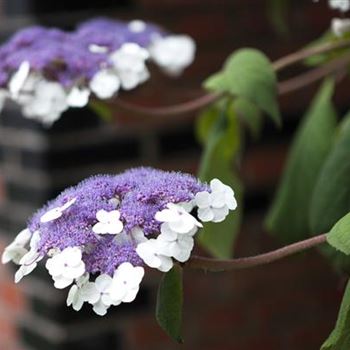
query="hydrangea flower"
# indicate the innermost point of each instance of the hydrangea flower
(98, 237)
(46, 71)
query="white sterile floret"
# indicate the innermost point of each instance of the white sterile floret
(126, 283)
(108, 222)
(178, 218)
(173, 53)
(176, 246)
(105, 83)
(215, 206)
(78, 97)
(16, 250)
(340, 26)
(341, 5)
(66, 266)
(137, 26)
(18, 78)
(129, 63)
(56, 213)
(97, 294)
(27, 91)
(150, 253)
(30, 260)
(47, 104)
(76, 295)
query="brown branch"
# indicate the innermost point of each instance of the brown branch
(288, 86)
(300, 55)
(314, 75)
(217, 265)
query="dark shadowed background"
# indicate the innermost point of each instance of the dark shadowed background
(288, 305)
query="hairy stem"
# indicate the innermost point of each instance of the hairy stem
(217, 265)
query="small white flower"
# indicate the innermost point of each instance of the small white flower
(173, 53)
(27, 91)
(66, 266)
(341, 5)
(47, 104)
(126, 283)
(56, 213)
(178, 247)
(76, 295)
(97, 294)
(28, 263)
(16, 250)
(340, 26)
(17, 80)
(78, 97)
(129, 63)
(215, 206)
(108, 222)
(149, 252)
(178, 218)
(105, 83)
(137, 26)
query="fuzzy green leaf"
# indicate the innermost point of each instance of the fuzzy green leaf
(170, 303)
(339, 339)
(248, 73)
(289, 215)
(339, 237)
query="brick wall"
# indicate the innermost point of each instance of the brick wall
(288, 305)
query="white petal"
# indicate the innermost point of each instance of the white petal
(103, 282)
(34, 241)
(217, 186)
(90, 293)
(14, 254)
(100, 308)
(202, 199)
(218, 199)
(17, 80)
(130, 295)
(62, 282)
(205, 214)
(138, 235)
(220, 214)
(173, 53)
(166, 264)
(23, 237)
(105, 84)
(166, 215)
(137, 26)
(72, 295)
(100, 228)
(167, 233)
(97, 48)
(68, 204)
(72, 256)
(115, 227)
(51, 215)
(78, 97)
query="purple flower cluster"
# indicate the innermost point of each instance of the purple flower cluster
(47, 70)
(108, 227)
(140, 194)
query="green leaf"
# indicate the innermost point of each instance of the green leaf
(289, 215)
(278, 15)
(331, 198)
(248, 73)
(226, 138)
(339, 237)
(170, 302)
(218, 238)
(102, 109)
(339, 339)
(249, 114)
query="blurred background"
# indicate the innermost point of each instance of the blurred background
(288, 305)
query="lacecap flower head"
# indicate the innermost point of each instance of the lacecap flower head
(47, 70)
(98, 236)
